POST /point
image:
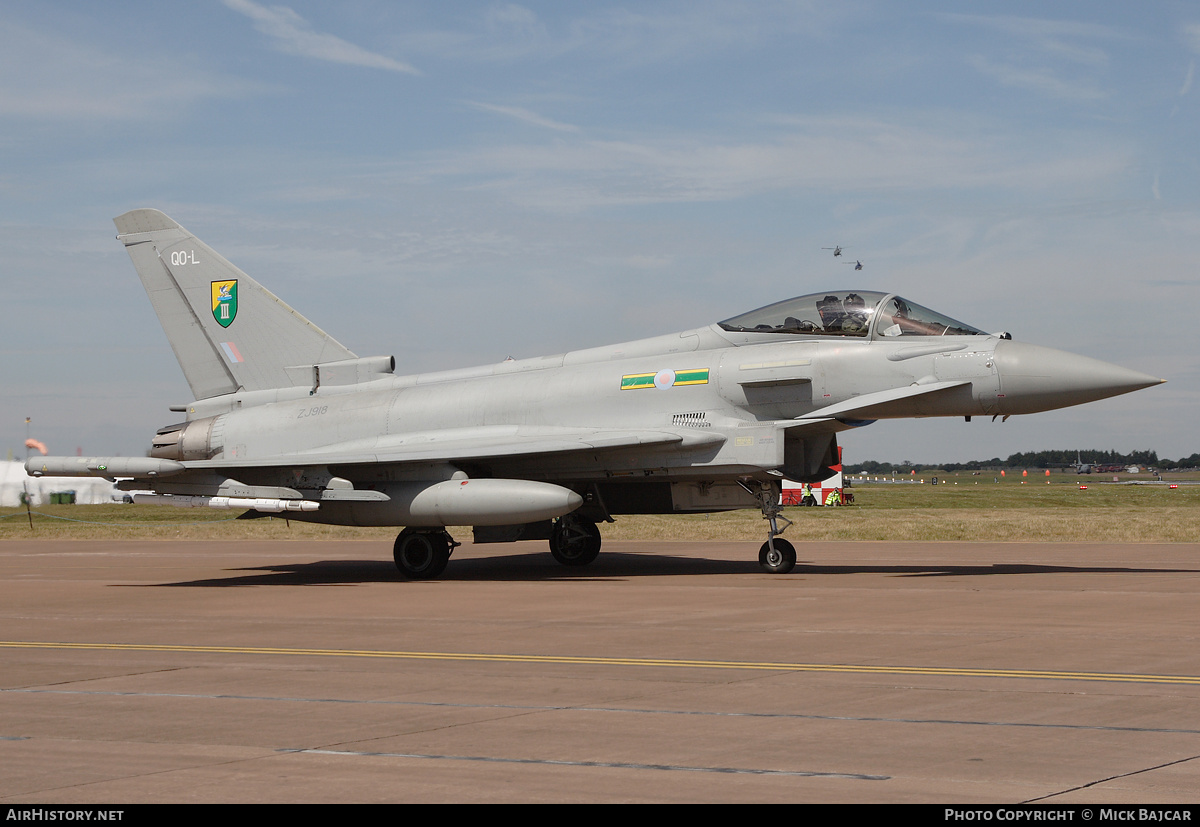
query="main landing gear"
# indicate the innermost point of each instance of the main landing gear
(422, 554)
(574, 541)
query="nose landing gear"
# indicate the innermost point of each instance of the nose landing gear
(777, 555)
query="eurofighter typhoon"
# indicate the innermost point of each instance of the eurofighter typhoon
(287, 421)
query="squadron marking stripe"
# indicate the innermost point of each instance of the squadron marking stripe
(634, 381)
(1186, 680)
(637, 381)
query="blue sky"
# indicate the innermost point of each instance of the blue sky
(454, 183)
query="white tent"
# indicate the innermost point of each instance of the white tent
(14, 481)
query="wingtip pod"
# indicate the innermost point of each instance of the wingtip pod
(108, 467)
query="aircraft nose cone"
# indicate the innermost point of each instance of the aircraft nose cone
(1034, 378)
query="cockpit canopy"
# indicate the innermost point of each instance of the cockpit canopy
(849, 313)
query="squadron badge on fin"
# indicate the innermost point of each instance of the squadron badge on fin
(224, 302)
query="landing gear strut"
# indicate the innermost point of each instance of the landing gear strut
(777, 555)
(422, 554)
(574, 541)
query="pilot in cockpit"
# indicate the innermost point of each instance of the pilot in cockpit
(831, 312)
(857, 315)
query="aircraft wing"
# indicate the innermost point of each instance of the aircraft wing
(459, 444)
(448, 445)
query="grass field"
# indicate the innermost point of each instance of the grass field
(962, 508)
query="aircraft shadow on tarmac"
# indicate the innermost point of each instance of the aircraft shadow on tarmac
(975, 571)
(508, 567)
(611, 566)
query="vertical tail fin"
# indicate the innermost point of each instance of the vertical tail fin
(228, 332)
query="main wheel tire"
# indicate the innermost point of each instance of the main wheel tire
(575, 542)
(781, 561)
(421, 555)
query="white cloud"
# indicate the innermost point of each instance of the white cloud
(636, 34)
(1049, 36)
(1191, 35)
(48, 75)
(515, 21)
(524, 115)
(294, 35)
(1037, 80)
(1038, 53)
(833, 154)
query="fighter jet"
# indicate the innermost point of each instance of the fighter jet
(286, 420)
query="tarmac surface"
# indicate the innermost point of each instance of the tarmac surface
(178, 671)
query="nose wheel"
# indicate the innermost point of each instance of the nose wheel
(778, 560)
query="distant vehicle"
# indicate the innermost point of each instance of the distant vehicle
(287, 420)
(837, 250)
(1080, 466)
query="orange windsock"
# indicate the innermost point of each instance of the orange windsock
(33, 443)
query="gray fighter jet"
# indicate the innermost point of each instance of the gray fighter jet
(288, 421)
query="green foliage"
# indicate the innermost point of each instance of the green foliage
(1037, 459)
(1061, 459)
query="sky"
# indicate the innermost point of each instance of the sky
(456, 183)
